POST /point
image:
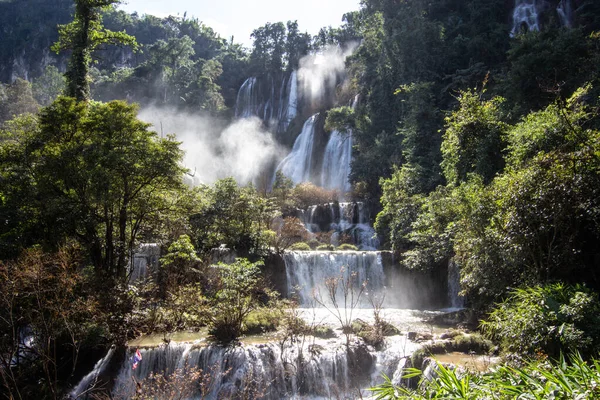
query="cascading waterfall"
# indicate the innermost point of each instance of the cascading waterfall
(335, 172)
(346, 218)
(278, 109)
(565, 13)
(454, 299)
(297, 164)
(249, 370)
(90, 379)
(525, 14)
(336, 162)
(308, 271)
(144, 259)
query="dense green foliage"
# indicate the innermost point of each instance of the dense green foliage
(552, 319)
(571, 378)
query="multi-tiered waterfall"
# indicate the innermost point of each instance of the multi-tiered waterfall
(346, 221)
(525, 15)
(273, 101)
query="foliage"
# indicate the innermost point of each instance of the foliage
(300, 246)
(47, 318)
(48, 86)
(347, 247)
(547, 319)
(571, 378)
(92, 171)
(233, 216)
(340, 119)
(307, 194)
(289, 232)
(473, 139)
(82, 37)
(16, 99)
(180, 264)
(234, 297)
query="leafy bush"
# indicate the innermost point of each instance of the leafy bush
(563, 379)
(323, 331)
(235, 297)
(307, 194)
(548, 319)
(262, 320)
(314, 243)
(347, 247)
(300, 246)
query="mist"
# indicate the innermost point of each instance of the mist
(213, 150)
(318, 73)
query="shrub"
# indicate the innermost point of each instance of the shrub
(307, 194)
(235, 297)
(323, 331)
(347, 247)
(301, 246)
(262, 320)
(549, 319)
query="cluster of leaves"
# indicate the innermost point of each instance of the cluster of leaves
(572, 378)
(48, 316)
(549, 319)
(530, 222)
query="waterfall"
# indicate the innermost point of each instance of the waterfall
(246, 103)
(454, 299)
(277, 106)
(297, 164)
(336, 162)
(307, 271)
(90, 379)
(232, 372)
(144, 259)
(565, 13)
(349, 219)
(525, 14)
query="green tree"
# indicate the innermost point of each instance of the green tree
(232, 216)
(235, 296)
(92, 172)
(474, 139)
(82, 37)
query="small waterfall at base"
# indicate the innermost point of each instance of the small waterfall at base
(454, 299)
(144, 260)
(90, 379)
(297, 164)
(525, 14)
(253, 371)
(308, 271)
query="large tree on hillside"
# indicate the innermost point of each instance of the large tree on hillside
(82, 36)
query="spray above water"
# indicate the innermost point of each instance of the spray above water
(321, 72)
(242, 150)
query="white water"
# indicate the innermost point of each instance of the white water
(454, 299)
(308, 271)
(144, 260)
(345, 218)
(565, 13)
(297, 164)
(277, 110)
(336, 162)
(525, 14)
(90, 379)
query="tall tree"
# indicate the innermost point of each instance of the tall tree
(82, 37)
